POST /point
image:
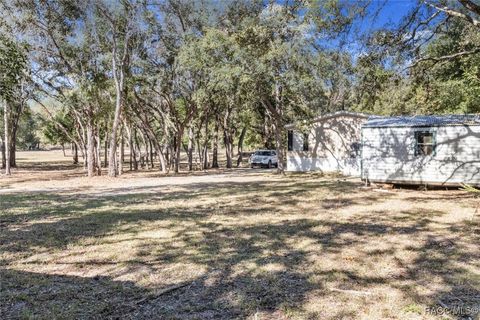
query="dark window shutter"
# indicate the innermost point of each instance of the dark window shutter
(305, 142)
(290, 140)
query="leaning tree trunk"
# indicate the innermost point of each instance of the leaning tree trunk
(153, 142)
(145, 158)
(163, 161)
(7, 140)
(151, 152)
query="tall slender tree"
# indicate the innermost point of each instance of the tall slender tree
(13, 64)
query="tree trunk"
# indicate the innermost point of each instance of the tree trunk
(163, 162)
(135, 150)
(190, 149)
(279, 145)
(122, 153)
(266, 130)
(178, 148)
(147, 150)
(90, 150)
(205, 148)
(205, 157)
(13, 133)
(7, 140)
(2, 147)
(80, 131)
(199, 152)
(98, 146)
(278, 126)
(118, 75)
(13, 147)
(228, 135)
(63, 150)
(75, 154)
(154, 144)
(227, 139)
(105, 150)
(112, 153)
(151, 152)
(130, 145)
(240, 146)
(215, 145)
(168, 156)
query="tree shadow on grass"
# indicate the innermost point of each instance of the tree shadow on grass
(69, 203)
(249, 266)
(450, 258)
(231, 289)
(55, 220)
(46, 296)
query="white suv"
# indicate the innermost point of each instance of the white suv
(264, 158)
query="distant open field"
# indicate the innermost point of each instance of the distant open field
(227, 244)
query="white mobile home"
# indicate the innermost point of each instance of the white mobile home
(330, 143)
(431, 150)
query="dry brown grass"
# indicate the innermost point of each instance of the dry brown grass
(242, 244)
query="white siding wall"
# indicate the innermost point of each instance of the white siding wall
(297, 143)
(329, 147)
(303, 162)
(388, 155)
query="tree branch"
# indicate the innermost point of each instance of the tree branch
(446, 57)
(470, 5)
(455, 13)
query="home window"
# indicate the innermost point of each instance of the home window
(424, 143)
(305, 142)
(290, 140)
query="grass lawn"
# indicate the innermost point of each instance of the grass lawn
(238, 244)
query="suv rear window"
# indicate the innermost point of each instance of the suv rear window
(263, 153)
